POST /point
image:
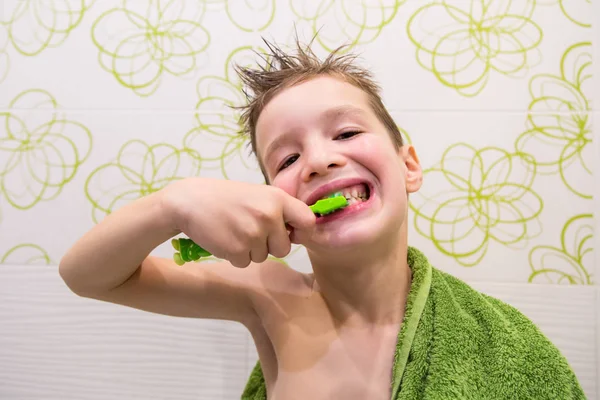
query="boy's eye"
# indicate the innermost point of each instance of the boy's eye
(347, 135)
(289, 161)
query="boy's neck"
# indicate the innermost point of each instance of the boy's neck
(366, 291)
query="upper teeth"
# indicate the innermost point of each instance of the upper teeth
(355, 192)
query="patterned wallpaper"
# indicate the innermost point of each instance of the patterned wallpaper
(105, 101)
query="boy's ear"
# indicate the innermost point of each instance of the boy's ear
(414, 173)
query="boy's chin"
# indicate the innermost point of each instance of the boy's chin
(362, 235)
(346, 240)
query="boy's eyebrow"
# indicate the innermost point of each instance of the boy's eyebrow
(329, 114)
(336, 112)
(276, 143)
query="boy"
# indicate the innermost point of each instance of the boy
(374, 320)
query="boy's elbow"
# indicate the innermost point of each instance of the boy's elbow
(66, 274)
(69, 274)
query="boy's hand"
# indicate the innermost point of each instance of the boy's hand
(237, 221)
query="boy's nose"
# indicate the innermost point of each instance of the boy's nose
(321, 163)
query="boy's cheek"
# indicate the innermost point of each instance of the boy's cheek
(373, 155)
(369, 146)
(287, 185)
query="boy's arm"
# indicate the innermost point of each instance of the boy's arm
(111, 262)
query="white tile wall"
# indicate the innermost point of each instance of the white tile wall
(57, 346)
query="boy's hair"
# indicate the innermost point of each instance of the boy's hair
(283, 70)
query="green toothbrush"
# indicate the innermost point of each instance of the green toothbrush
(188, 250)
(330, 204)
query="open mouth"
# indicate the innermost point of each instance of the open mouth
(355, 195)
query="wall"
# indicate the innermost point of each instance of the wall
(103, 102)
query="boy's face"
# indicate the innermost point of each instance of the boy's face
(321, 136)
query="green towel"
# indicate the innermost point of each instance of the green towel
(457, 343)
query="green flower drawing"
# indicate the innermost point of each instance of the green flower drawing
(40, 150)
(566, 264)
(140, 41)
(462, 42)
(217, 135)
(559, 127)
(473, 196)
(345, 22)
(35, 25)
(26, 253)
(138, 170)
(578, 11)
(246, 15)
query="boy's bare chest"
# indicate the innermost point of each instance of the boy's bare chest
(304, 355)
(346, 370)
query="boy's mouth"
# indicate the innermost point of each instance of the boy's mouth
(354, 194)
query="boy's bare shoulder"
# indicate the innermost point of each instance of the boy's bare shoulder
(276, 276)
(279, 289)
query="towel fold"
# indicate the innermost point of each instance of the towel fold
(457, 343)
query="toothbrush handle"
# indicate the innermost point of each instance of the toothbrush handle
(187, 250)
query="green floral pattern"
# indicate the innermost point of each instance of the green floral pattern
(568, 263)
(26, 253)
(474, 197)
(345, 22)
(138, 170)
(559, 133)
(37, 25)
(246, 15)
(475, 201)
(578, 11)
(40, 149)
(155, 37)
(463, 42)
(217, 134)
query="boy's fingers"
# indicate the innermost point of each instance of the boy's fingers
(294, 238)
(239, 260)
(259, 252)
(278, 242)
(297, 214)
